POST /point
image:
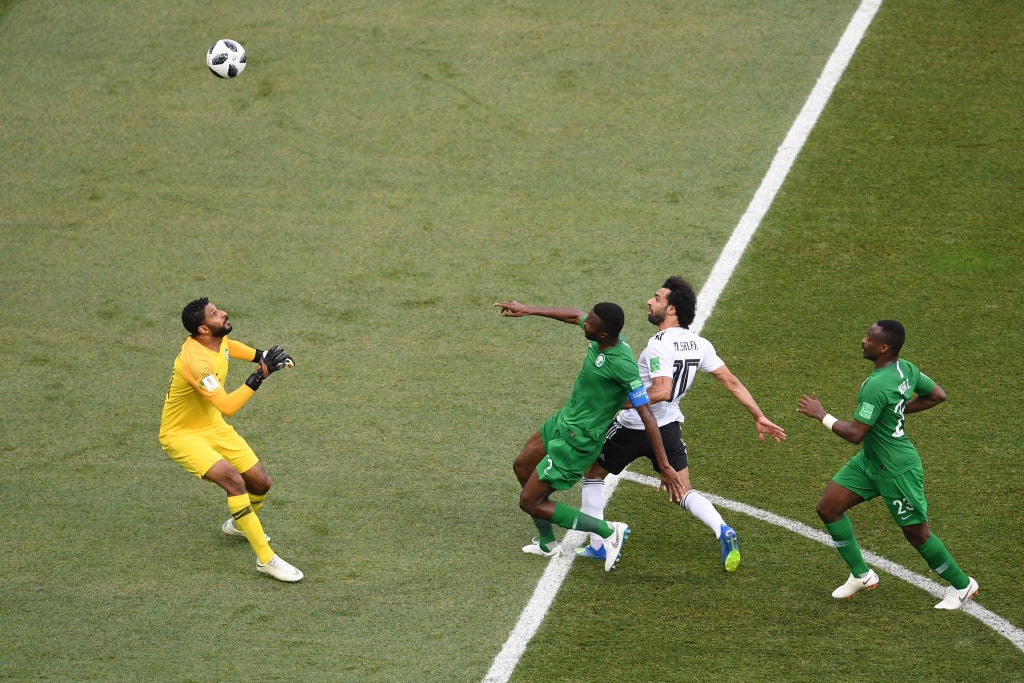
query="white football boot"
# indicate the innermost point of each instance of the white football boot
(868, 582)
(955, 599)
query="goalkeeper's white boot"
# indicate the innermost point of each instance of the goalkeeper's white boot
(230, 529)
(868, 582)
(279, 569)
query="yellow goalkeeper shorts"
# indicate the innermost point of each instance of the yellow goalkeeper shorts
(197, 452)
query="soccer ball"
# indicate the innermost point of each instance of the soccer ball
(226, 58)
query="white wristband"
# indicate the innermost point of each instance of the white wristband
(828, 421)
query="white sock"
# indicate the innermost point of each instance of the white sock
(702, 509)
(593, 505)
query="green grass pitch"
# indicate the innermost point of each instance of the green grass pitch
(379, 175)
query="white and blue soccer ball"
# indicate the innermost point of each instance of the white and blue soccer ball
(226, 58)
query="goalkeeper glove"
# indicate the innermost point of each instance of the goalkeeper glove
(261, 355)
(256, 379)
(275, 358)
(270, 361)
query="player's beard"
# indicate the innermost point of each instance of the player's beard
(221, 331)
(656, 318)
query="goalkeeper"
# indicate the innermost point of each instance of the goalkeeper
(195, 435)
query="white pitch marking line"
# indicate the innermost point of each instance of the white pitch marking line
(990, 619)
(547, 588)
(532, 616)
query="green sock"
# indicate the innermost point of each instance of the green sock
(571, 518)
(846, 544)
(545, 533)
(942, 563)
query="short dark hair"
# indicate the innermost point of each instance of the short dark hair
(682, 296)
(612, 317)
(894, 332)
(194, 313)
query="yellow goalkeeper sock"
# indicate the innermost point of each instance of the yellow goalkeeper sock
(257, 501)
(249, 524)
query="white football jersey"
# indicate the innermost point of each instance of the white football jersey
(676, 353)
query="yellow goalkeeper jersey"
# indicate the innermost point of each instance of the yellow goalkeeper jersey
(197, 400)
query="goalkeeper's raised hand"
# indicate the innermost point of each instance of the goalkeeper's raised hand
(270, 361)
(276, 358)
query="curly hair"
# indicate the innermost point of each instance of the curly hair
(682, 296)
(193, 315)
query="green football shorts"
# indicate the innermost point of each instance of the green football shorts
(903, 494)
(568, 455)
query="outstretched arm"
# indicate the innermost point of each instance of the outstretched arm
(514, 309)
(765, 427)
(854, 431)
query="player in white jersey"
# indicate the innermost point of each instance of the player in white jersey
(668, 366)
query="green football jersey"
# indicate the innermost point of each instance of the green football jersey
(880, 403)
(607, 379)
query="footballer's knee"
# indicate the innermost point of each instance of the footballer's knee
(226, 477)
(826, 512)
(257, 481)
(531, 500)
(917, 534)
(528, 505)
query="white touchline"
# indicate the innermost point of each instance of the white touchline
(550, 582)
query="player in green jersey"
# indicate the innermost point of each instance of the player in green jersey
(888, 464)
(557, 455)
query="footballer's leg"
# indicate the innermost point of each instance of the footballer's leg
(257, 482)
(528, 458)
(904, 496)
(592, 502)
(621, 447)
(559, 471)
(245, 519)
(524, 466)
(240, 507)
(257, 485)
(694, 502)
(831, 508)
(240, 455)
